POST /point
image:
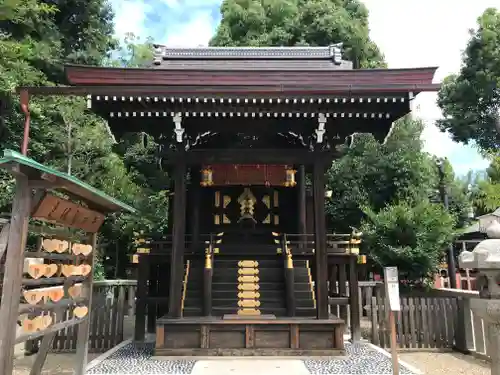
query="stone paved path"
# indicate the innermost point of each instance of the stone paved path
(361, 359)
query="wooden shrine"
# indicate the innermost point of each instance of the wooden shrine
(246, 134)
(48, 287)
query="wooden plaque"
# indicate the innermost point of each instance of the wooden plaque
(68, 214)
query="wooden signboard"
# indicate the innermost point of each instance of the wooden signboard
(391, 280)
(68, 214)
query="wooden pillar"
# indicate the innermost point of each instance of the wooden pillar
(354, 299)
(302, 228)
(178, 242)
(83, 335)
(11, 291)
(141, 297)
(289, 274)
(207, 279)
(195, 207)
(153, 288)
(321, 258)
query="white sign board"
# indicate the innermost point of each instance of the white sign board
(392, 288)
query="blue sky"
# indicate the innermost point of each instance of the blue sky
(411, 33)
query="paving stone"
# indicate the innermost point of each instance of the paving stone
(361, 360)
(135, 359)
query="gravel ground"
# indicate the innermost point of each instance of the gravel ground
(56, 364)
(62, 364)
(435, 363)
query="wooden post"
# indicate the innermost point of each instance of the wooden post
(354, 299)
(302, 206)
(321, 258)
(195, 207)
(392, 304)
(24, 99)
(153, 286)
(207, 278)
(11, 291)
(289, 278)
(82, 345)
(464, 340)
(178, 243)
(142, 297)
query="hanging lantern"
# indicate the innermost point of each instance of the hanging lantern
(290, 177)
(206, 177)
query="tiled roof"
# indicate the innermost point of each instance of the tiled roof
(250, 58)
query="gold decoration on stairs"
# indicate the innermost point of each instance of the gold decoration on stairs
(289, 260)
(184, 284)
(248, 286)
(311, 283)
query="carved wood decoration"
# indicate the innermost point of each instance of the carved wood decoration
(68, 214)
(248, 174)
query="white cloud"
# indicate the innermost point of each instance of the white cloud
(197, 31)
(130, 16)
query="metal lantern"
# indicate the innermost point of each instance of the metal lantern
(290, 177)
(206, 177)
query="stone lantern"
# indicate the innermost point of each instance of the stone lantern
(486, 259)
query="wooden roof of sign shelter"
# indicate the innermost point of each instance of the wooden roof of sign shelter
(62, 181)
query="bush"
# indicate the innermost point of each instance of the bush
(411, 237)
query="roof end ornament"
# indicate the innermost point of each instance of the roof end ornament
(336, 52)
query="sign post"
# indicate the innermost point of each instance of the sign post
(392, 304)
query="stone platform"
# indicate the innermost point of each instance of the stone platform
(249, 337)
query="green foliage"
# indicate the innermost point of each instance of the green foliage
(299, 22)
(371, 174)
(471, 100)
(36, 38)
(132, 53)
(409, 236)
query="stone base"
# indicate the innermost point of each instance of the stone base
(244, 336)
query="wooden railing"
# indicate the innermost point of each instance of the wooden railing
(436, 319)
(366, 290)
(300, 244)
(113, 306)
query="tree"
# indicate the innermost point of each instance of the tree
(470, 100)
(370, 174)
(409, 236)
(36, 39)
(299, 22)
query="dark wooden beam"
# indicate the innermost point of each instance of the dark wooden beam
(354, 299)
(242, 156)
(142, 296)
(195, 194)
(301, 185)
(127, 108)
(320, 256)
(179, 239)
(272, 89)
